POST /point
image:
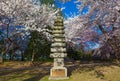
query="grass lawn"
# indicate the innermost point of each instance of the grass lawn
(80, 72)
(93, 73)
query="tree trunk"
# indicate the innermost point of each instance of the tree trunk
(12, 57)
(22, 55)
(2, 58)
(33, 55)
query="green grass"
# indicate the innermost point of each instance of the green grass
(105, 73)
(93, 73)
(27, 75)
(46, 78)
(109, 72)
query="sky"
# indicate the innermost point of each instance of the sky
(70, 8)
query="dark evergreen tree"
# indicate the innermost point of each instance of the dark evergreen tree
(38, 47)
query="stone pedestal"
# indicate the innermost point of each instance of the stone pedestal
(58, 73)
(58, 51)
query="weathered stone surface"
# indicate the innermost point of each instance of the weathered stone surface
(59, 28)
(57, 34)
(59, 40)
(58, 55)
(58, 51)
(58, 31)
(58, 62)
(58, 72)
(55, 44)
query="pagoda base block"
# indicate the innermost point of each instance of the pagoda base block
(58, 73)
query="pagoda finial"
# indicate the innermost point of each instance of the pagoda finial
(59, 12)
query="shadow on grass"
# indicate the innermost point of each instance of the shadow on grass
(73, 67)
(9, 70)
(37, 77)
(44, 70)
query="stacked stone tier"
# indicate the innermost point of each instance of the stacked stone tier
(58, 28)
(58, 55)
(59, 20)
(58, 50)
(58, 24)
(59, 40)
(58, 44)
(58, 36)
(58, 47)
(58, 32)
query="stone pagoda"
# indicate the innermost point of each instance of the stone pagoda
(58, 50)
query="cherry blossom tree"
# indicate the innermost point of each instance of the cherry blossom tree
(103, 15)
(72, 27)
(100, 24)
(15, 13)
